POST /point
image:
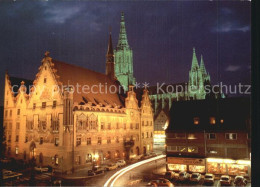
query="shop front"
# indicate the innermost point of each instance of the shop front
(228, 166)
(186, 164)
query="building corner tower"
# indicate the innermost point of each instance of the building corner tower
(124, 58)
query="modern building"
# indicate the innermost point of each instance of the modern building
(71, 117)
(210, 136)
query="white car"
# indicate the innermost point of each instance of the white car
(120, 163)
(183, 176)
(209, 178)
(225, 180)
(111, 167)
(195, 177)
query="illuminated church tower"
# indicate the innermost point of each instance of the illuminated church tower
(198, 78)
(124, 58)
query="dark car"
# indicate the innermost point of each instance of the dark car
(91, 173)
(240, 181)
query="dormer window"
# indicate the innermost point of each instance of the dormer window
(196, 120)
(212, 120)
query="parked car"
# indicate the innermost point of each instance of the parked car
(111, 167)
(209, 178)
(195, 177)
(99, 170)
(91, 173)
(160, 182)
(225, 180)
(183, 176)
(120, 163)
(41, 169)
(169, 175)
(240, 181)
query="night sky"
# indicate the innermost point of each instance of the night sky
(161, 34)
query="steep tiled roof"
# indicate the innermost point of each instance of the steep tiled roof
(73, 75)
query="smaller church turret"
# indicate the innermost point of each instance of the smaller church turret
(110, 63)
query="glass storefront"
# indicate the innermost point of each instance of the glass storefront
(195, 168)
(177, 167)
(228, 166)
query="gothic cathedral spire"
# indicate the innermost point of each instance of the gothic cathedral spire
(124, 58)
(202, 66)
(110, 63)
(195, 64)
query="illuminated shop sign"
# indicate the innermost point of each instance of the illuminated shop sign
(187, 161)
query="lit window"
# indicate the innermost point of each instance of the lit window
(212, 120)
(196, 120)
(231, 136)
(172, 148)
(191, 137)
(56, 141)
(56, 159)
(16, 150)
(211, 136)
(179, 135)
(182, 149)
(222, 121)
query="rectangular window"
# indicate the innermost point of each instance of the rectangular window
(102, 126)
(43, 123)
(41, 140)
(131, 125)
(182, 149)
(99, 140)
(172, 148)
(231, 136)
(179, 135)
(34, 105)
(142, 135)
(147, 135)
(11, 113)
(26, 139)
(43, 104)
(6, 113)
(18, 112)
(9, 138)
(211, 136)
(88, 141)
(44, 80)
(151, 134)
(56, 141)
(109, 126)
(78, 142)
(108, 140)
(117, 125)
(142, 123)
(117, 139)
(151, 123)
(17, 126)
(54, 104)
(124, 125)
(17, 138)
(147, 123)
(137, 125)
(16, 150)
